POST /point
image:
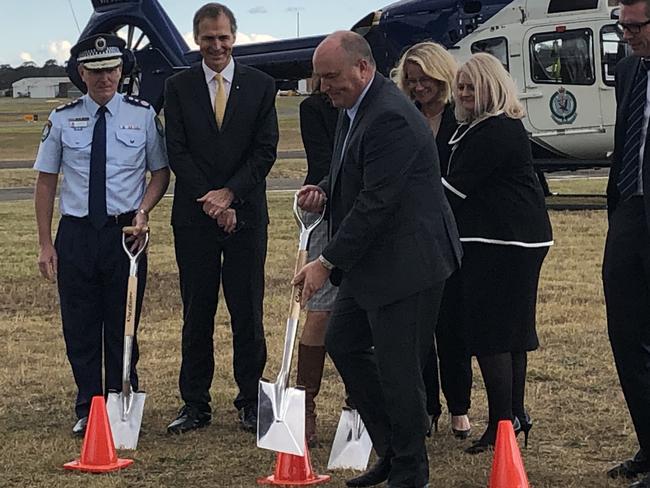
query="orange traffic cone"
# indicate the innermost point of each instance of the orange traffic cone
(293, 470)
(507, 467)
(98, 450)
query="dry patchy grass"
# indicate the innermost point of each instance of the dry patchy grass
(581, 424)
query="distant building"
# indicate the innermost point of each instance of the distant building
(41, 87)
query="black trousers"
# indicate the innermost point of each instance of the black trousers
(93, 272)
(626, 280)
(379, 354)
(207, 257)
(450, 348)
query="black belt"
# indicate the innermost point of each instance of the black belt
(112, 221)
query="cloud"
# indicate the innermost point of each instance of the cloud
(251, 38)
(242, 38)
(189, 38)
(258, 10)
(59, 50)
(25, 56)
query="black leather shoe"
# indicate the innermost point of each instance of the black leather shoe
(79, 428)
(644, 483)
(189, 418)
(631, 468)
(378, 473)
(248, 418)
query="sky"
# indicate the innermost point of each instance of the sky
(38, 30)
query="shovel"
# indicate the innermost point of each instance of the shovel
(281, 410)
(352, 445)
(126, 407)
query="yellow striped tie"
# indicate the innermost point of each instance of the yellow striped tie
(219, 100)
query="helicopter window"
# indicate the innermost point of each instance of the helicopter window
(497, 47)
(558, 6)
(563, 57)
(613, 49)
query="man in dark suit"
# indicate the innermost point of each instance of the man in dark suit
(394, 242)
(222, 134)
(626, 264)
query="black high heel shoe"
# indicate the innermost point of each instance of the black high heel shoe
(525, 424)
(433, 426)
(489, 437)
(458, 433)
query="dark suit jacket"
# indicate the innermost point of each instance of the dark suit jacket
(492, 186)
(394, 234)
(625, 73)
(237, 156)
(317, 128)
(448, 125)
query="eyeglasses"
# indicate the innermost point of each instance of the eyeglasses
(632, 28)
(426, 82)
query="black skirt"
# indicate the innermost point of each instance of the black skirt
(493, 297)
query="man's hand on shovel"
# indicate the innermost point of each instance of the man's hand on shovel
(310, 278)
(137, 231)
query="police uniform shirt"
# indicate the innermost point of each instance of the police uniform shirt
(134, 144)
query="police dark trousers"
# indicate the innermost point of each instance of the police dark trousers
(626, 279)
(93, 271)
(207, 256)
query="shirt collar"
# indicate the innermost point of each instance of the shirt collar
(112, 106)
(228, 72)
(352, 111)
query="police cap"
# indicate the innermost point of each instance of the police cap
(100, 51)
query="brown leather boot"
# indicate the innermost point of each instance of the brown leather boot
(311, 360)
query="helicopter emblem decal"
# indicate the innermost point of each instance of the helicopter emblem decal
(564, 106)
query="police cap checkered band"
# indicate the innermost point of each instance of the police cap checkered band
(99, 51)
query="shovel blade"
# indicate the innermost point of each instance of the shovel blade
(352, 445)
(125, 425)
(281, 419)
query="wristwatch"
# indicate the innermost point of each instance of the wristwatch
(326, 264)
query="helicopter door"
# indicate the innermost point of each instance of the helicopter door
(560, 79)
(612, 50)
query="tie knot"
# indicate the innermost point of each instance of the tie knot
(102, 110)
(218, 77)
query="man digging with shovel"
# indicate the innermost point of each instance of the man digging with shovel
(104, 143)
(393, 244)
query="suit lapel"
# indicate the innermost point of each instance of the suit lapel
(338, 161)
(202, 95)
(627, 89)
(239, 78)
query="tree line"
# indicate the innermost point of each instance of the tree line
(29, 69)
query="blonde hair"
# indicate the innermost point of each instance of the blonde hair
(436, 63)
(494, 89)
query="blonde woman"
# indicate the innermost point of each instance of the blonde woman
(505, 230)
(426, 74)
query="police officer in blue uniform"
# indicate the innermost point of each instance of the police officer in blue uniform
(103, 143)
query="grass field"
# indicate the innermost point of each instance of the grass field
(19, 139)
(581, 423)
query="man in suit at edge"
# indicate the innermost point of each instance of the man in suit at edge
(394, 242)
(626, 263)
(222, 135)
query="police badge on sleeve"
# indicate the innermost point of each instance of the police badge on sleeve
(46, 130)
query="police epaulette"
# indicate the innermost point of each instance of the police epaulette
(68, 105)
(136, 101)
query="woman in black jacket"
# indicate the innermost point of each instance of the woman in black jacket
(426, 74)
(505, 230)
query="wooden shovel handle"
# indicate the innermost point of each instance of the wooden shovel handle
(131, 302)
(130, 229)
(296, 291)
